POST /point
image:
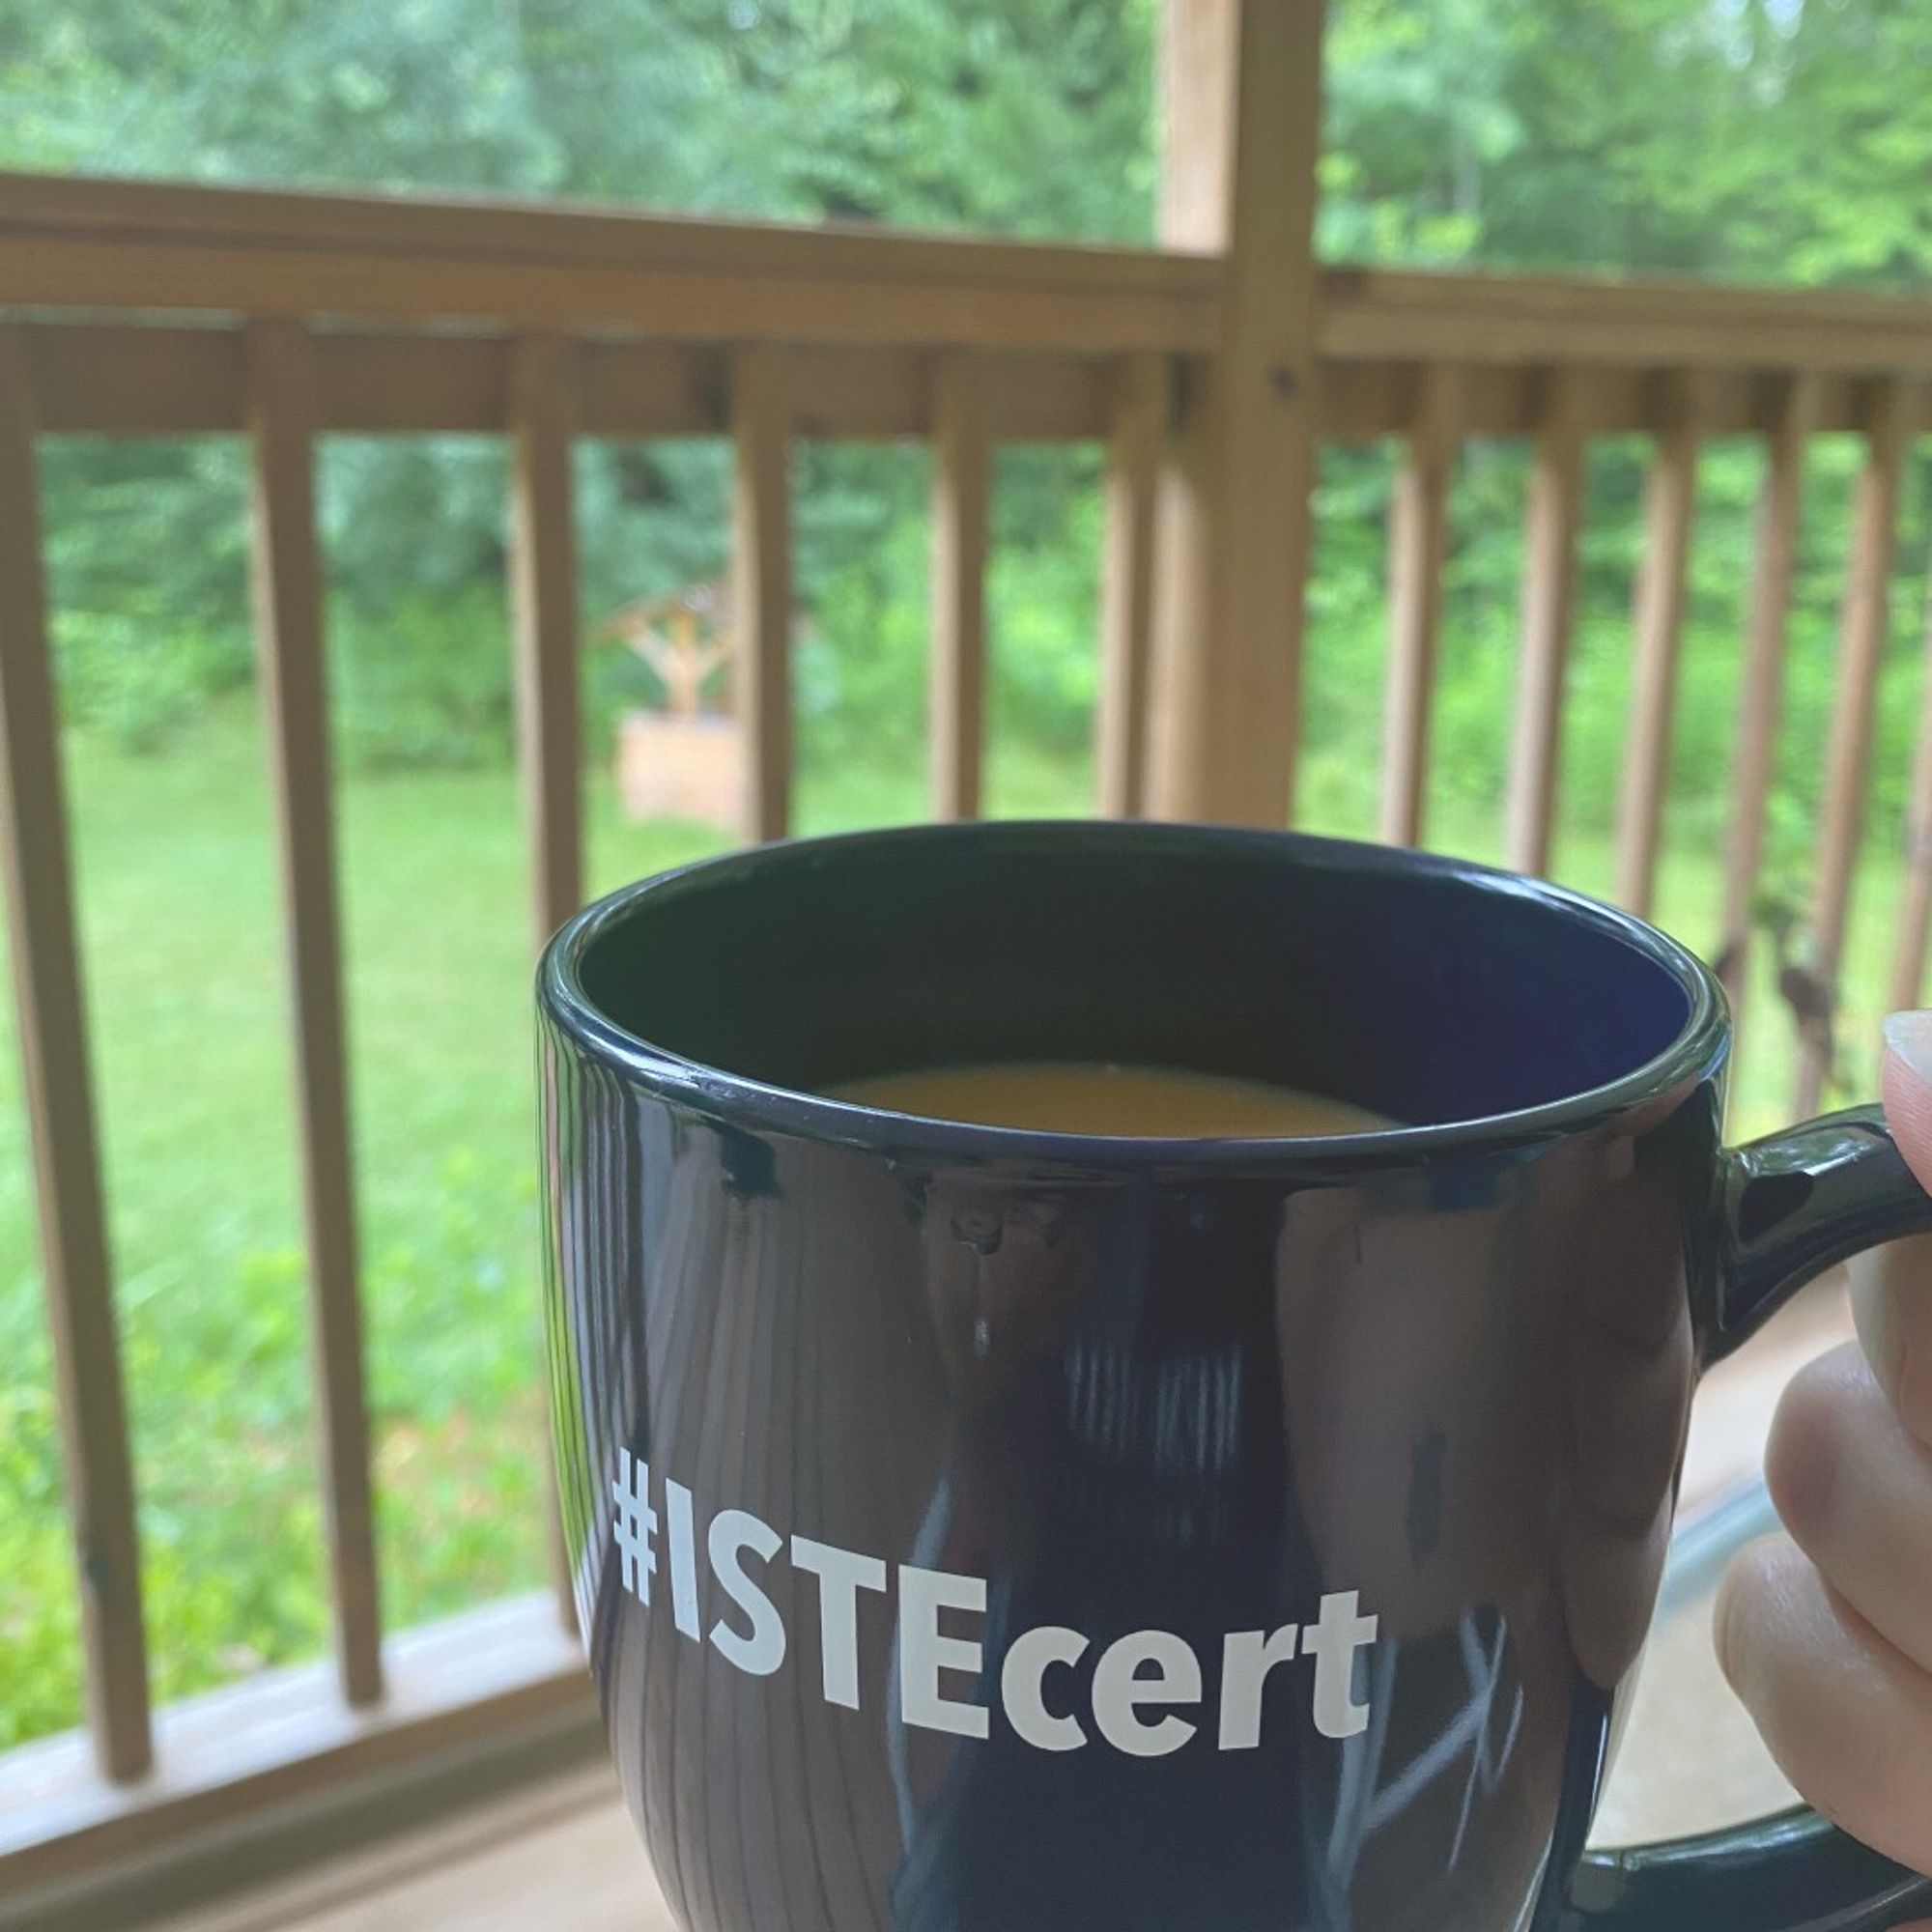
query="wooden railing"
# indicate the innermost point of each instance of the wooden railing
(1211, 369)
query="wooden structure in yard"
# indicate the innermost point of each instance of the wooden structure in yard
(1211, 367)
(681, 759)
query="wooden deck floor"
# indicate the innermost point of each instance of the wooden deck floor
(563, 1858)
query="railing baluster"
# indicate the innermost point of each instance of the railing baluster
(543, 597)
(1908, 969)
(1554, 515)
(1418, 547)
(288, 628)
(762, 581)
(79, 1289)
(543, 593)
(1861, 649)
(962, 494)
(1761, 701)
(1126, 581)
(1670, 507)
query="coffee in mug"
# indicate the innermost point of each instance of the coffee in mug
(1086, 1097)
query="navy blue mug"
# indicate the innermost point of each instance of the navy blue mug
(990, 1530)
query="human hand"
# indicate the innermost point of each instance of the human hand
(1825, 1633)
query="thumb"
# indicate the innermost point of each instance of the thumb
(1907, 1087)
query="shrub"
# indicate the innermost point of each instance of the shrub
(138, 678)
(423, 681)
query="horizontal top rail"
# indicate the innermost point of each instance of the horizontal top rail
(1382, 315)
(66, 243)
(567, 233)
(121, 246)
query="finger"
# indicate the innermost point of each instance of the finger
(1855, 1490)
(1907, 1087)
(1848, 1718)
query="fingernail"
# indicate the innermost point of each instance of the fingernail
(1909, 1036)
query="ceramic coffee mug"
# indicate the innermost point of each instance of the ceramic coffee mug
(984, 1530)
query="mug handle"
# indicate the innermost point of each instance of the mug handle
(1792, 1206)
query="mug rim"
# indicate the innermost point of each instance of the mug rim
(745, 1100)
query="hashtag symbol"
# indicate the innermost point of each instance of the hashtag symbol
(634, 1526)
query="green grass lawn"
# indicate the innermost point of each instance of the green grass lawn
(184, 979)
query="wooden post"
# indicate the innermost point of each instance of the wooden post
(79, 1287)
(761, 577)
(1671, 502)
(1242, 102)
(1781, 506)
(1861, 651)
(288, 632)
(1553, 516)
(1126, 581)
(545, 640)
(962, 479)
(1418, 546)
